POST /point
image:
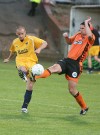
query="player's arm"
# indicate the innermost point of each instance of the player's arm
(43, 45)
(9, 57)
(88, 30)
(65, 35)
(12, 52)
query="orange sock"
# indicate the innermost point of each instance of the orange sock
(80, 100)
(45, 74)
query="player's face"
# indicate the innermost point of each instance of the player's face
(82, 29)
(21, 33)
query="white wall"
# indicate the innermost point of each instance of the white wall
(80, 13)
(87, 1)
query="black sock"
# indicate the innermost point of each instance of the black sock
(27, 98)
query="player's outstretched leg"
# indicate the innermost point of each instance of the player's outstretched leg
(45, 74)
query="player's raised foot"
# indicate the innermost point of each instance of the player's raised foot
(25, 78)
(83, 112)
(24, 110)
(22, 75)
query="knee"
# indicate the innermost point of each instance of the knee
(22, 69)
(71, 90)
(29, 85)
(95, 57)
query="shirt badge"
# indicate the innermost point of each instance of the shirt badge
(26, 43)
(74, 74)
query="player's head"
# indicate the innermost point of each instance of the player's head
(21, 32)
(82, 28)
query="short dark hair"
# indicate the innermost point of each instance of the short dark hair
(83, 23)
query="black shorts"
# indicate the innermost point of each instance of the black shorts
(70, 67)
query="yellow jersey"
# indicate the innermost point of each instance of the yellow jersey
(25, 50)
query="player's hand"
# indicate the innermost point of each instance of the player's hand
(37, 51)
(65, 34)
(88, 20)
(6, 60)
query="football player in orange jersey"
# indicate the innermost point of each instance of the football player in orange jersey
(72, 65)
(26, 47)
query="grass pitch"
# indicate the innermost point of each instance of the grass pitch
(52, 110)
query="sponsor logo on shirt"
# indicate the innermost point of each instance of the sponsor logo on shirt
(78, 42)
(26, 43)
(22, 51)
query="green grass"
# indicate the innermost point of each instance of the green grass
(52, 110)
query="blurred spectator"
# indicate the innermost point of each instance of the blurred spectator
(98, 29)
(34, 4)
(51, 2)
(94, 50)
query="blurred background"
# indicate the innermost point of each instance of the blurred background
(52, 18)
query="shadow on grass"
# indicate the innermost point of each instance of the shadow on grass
(20, 116)
(80, 120)
(60, 118)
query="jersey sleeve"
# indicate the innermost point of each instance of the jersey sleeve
(37, 42)
(12, 48)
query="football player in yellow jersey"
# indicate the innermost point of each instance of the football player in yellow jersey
(26, 47)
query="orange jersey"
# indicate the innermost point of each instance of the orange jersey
(80, 46)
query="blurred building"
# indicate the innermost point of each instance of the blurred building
(80, 11)
(78, 2)
(87, 2)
